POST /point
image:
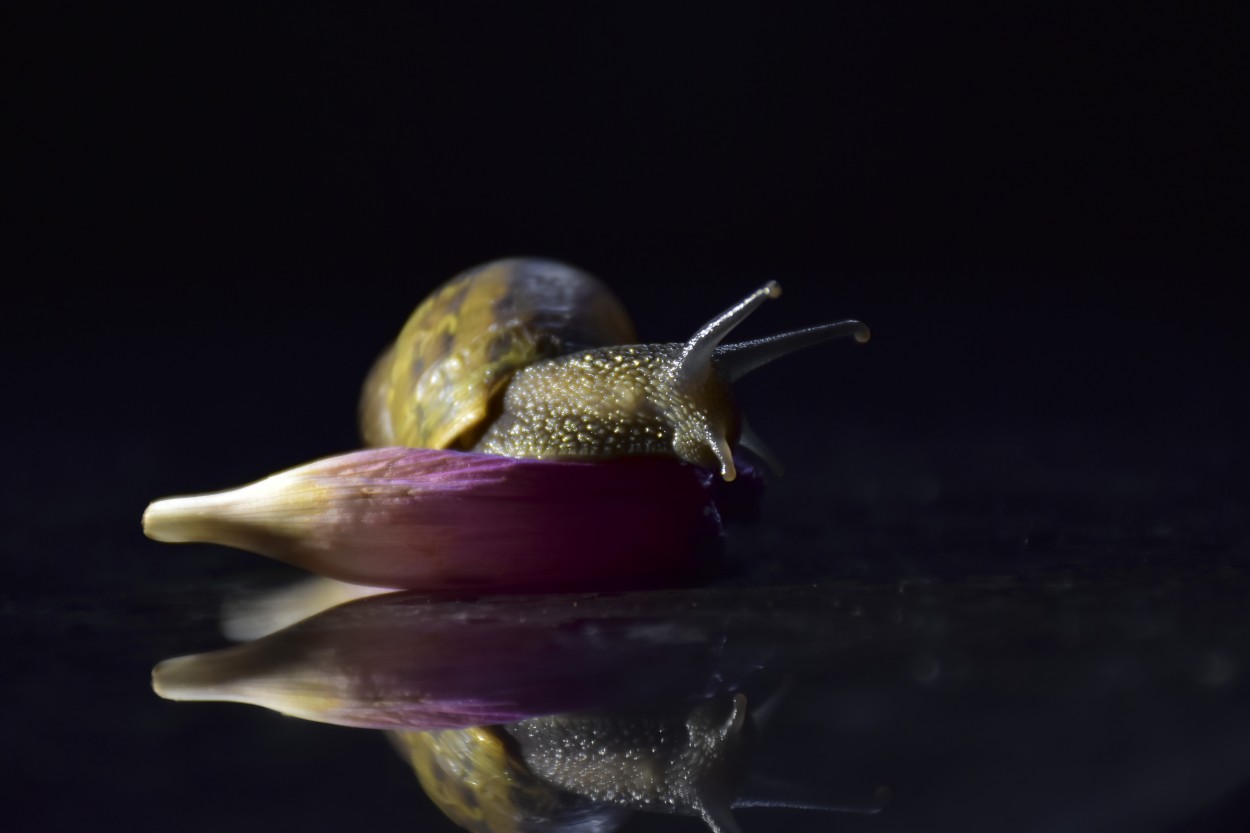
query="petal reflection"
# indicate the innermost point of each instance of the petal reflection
(409, 661)
(248, 615)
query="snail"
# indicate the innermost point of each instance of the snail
(532, 358)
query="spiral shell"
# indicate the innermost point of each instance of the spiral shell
(437, 386)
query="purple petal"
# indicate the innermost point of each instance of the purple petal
(434, 519)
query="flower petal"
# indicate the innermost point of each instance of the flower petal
(435, 519)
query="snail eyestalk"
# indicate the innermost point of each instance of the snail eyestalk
(751, 441)
(704, 368)
(737, 360)
(694, 378)
(697, 354)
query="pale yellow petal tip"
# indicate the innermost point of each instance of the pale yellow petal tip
(180, 520)
(158, 684)
(211, 677)
(170, 679)
(155, 519)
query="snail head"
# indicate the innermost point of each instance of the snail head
(710, 424)
(640, 399)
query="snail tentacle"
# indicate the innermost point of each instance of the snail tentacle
(737, 360)
(751, 441)
(695, 379)
(696, 356)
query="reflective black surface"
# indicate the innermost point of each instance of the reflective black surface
(1032, 664)
(1032, 480)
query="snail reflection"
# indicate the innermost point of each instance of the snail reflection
(560, 712)
(521, 442)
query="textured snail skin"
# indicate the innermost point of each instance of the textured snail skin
(612, 402)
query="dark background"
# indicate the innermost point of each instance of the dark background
(221, 215)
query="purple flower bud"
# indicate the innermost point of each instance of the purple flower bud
(434, 519)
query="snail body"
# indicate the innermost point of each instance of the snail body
(532, 358)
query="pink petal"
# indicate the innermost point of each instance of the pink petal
(435, 519)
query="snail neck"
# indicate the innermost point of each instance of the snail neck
(617, 401)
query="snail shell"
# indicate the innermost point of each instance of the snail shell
(438, 385)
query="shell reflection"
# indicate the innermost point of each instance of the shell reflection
(476, 777)
(542, 712)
